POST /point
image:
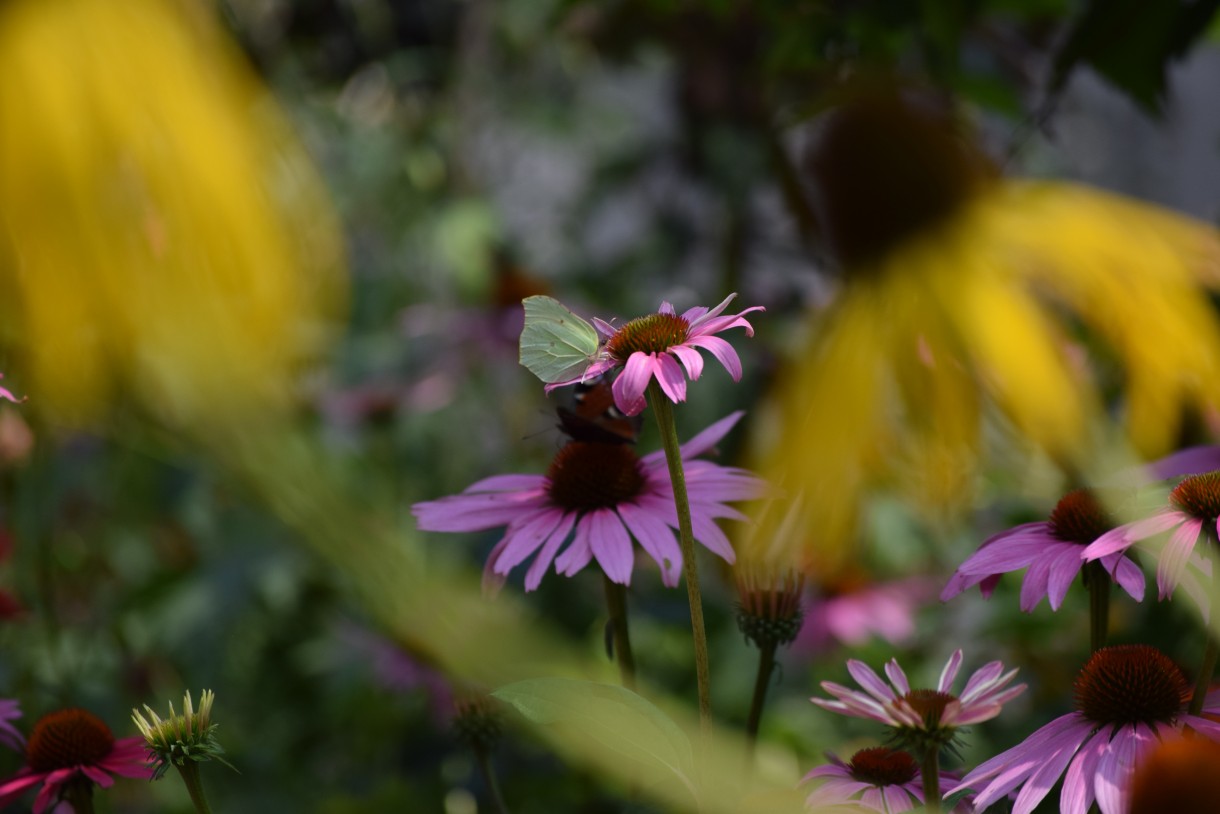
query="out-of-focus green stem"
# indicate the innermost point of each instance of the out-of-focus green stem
(766, 664)
(930, 771)
(483, 756)
(79, 794)
(616, 603)
(1098, 582)
(194, 786)
(664, 412)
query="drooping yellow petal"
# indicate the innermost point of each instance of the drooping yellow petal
(161, 231)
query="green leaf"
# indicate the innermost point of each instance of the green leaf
(614, 721)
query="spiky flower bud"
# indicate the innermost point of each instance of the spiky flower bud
(180, 739)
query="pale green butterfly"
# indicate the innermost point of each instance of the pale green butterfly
(556, 345)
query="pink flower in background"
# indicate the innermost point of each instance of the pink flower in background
(598, 496)
(1192, 513)
(919, 716)
(69, 746)
(853, 614)
(10, 735)
(1128, 698)
(1051, 550)
(654, 345)
(1190, 461)
(875, 779)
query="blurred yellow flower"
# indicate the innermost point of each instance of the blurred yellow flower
(161, 230)
(964, 292)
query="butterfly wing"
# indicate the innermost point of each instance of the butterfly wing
(595, 417)
(556, 345)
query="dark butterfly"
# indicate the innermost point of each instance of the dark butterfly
(595, 418)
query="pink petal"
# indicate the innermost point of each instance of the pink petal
(478, 512)
(525, 538)
(655, 538)
(577, 555)
(1127, 574)
(611, 544)
(722, 350)
(670, 377)
(700, 313)
(1189, 461)
(1077, 794)
(1033, 587)
(1066, 566)
(949, 673)
(507, 483)
(897, 678)
(629, 387)
(707, 439)
(870, 681)
(1175, 555)
(1008, 769)
(1043, 780)
(97, 776)
(690, 359)
(533, 577)
(1116, 765)
(666, 307)
(709, 535)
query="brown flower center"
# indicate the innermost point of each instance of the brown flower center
(1198, 496)
(882, 766)
(69, 737)
(886, 169)
(587, 475)
(1131, 683)
(930, 704)
(1080, 518)
(654, 333)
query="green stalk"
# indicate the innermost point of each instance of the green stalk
(1208, 668)
(483, 756)
(766, 664)
(929, 769)
(78, 793)
(189, 770)
(664, 412)
(1098, 582)
(616, 603)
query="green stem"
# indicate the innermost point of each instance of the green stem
(930, 771)
(78, 793)
(616, 602)
(483, 757)
(664, 412)
(194, 785)
(1208, 668)
(766, 664)
(1098, 582)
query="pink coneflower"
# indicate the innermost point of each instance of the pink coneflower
(1193, 507)
(876, 779)
(922, 718)
(10, 735)
(654, 345)
(1128, 697)
(68, 752)
(852, 612)
(600, 496)
(1051, 550)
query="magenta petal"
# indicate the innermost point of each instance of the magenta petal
(870, 681)
(707, 439)
(1063, 571)
(1127, 574)
(97, 776)
(722, 350)
(1043, 780)
(629, 387)
(690, 359)
(1033, 587)
(525, 538)
(577, 555)
(699, 314)
(533, 577)
(949, 673)
(1189, 461)
(897, 677)
(671, 379)
(1175, 555)
(1077, 794)
(712, 538)
(655, 537)
(1116, 765)
(611, 544)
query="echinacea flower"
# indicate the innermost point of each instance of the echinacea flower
(960, 292)
(1051, 550)
(68, 752)
(769, 604)
(653, 345)
(179, 739)
(10, 735)
(851, 610)
(923, 718)
(1127, 697)
(598, 496)
(1191, 514)
(875, 779)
